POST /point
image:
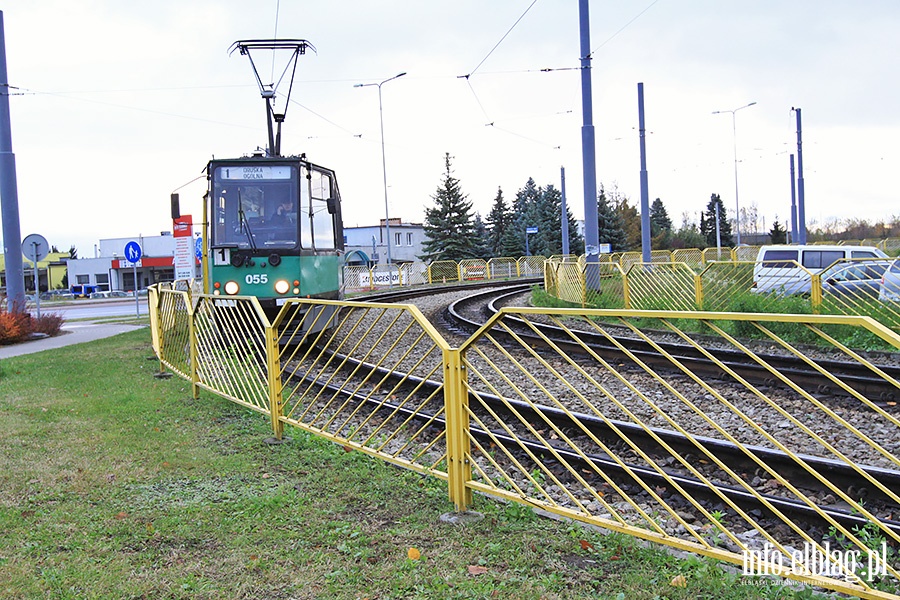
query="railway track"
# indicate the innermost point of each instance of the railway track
(825, 378)
(805, 472)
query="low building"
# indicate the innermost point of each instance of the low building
(110, 270)
(51, 272)
(368, 243)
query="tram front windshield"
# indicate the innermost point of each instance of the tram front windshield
(263, 207)
(258, 213)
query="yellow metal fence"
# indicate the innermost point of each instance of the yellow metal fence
(730, 286)
(554, 424)
(359, 278)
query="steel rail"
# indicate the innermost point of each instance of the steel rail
(605, 428)
(852, 373)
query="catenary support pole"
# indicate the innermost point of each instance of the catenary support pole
(9, 197)
(565, 212)
(793, 204)
(588, 155)
(645, 193)
(801, 196)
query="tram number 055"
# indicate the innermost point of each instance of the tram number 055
(256, 279)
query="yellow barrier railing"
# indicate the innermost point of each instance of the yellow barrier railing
(378, 378)
(848, 287)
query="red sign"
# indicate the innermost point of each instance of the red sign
(183, 226)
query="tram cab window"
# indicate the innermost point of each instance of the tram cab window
(260, 214)
(316, 212)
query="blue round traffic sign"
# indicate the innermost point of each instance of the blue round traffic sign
(133, 252)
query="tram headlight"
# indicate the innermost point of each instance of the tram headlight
(232, 288)
(282, 286)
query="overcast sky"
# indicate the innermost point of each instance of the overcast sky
(119, 103)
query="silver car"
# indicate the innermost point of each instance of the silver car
(890, 283)
(858, 279)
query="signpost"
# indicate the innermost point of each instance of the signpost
(133, 254)
(36, 248)
(527, 231)
(185, 249)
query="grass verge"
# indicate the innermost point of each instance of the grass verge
(115, 484)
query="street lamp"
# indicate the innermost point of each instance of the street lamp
(737, 205)
(387, 219)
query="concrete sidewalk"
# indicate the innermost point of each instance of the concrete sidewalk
(72, 333)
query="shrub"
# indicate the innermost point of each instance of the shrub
(17, 325)
(14, 326)
(49, 324)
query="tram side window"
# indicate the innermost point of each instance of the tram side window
(317, 230)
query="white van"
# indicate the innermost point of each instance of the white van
(786, 269)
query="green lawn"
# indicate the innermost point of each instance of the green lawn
(116, 484)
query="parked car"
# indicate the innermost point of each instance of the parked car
(786, 269)
(57, 295)
(110, 294)
(857, 279)
(890, 283)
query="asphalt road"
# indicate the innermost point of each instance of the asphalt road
(93, 309)
(80, 331)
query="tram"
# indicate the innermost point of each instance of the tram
(275, 230)
(273, 226)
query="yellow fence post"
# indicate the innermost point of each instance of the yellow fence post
(815, 292)
(626, 292)
(153, 310)
(194, 354)
(273, 365)
(698, 291)
(456, 400)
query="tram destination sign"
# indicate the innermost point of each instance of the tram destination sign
(253, 172)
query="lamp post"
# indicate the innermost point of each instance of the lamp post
(387, 219)
(737, 204)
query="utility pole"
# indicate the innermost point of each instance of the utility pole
(565, 213)
(793, 204)
(9, 196)
(645, 193)
(801, 196)
(588, 155)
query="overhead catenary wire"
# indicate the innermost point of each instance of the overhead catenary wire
(501, 40)
(624, 27)
(275, 37)
(70, 96)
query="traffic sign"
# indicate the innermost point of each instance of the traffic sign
(531, 230)
(198, 248)
(133, 252)
(35, 247)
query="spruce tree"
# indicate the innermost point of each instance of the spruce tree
(482, 239)
(497, 222)
(659, 218)
(778, 234)
(708, 223)
(548, 205)
(609, 224)
(524, 214)
(449, 225)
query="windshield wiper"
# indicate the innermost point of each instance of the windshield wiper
(243, 221)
